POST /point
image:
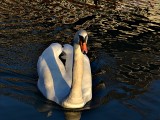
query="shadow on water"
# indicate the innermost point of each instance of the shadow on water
(124, 50)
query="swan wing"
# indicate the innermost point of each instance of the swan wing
(51, 73)
(68, 51)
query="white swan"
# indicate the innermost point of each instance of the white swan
(68, 85)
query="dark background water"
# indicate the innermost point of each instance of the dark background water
(124, 49)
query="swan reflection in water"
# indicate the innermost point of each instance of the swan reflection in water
(72, 115)
(69, 115)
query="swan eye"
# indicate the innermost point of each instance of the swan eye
(81, 39)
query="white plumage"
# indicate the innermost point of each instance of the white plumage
(55, 78)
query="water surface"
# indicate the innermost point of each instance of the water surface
(124, 50)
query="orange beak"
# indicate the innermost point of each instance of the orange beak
(84, 47)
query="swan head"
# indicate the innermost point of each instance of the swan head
(81, 38)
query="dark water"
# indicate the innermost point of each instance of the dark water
(124, 49)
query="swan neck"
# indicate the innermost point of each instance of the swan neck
(76, 89)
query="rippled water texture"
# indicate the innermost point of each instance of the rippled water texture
(124, 49)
